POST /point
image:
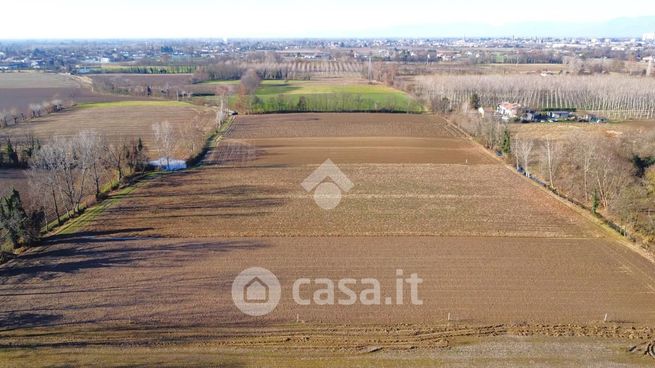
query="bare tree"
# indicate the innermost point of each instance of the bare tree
(221, 114)
(57, 105)
(91, 151)
(76, 173)
(192, 136)
(63, 161)
(6, 119)
(45, 178)
(35, 109)
(249, 82)
(61, 171)
(115, 156)
(492, 132)
(551, 159)
(15, 115)
(584, 149)
(614, 96)
(164, 139)
(522, 150)
(46, 107)
(3, 118)
(611, 175)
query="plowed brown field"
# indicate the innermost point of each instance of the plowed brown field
(115, 121)
(19, 90)
(491, 247)
(187, 283)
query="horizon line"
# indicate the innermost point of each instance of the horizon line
(314, 38)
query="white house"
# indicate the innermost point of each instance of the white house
(508, 110)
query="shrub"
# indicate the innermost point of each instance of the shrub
(20, 228)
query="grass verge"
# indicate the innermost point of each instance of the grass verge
(92, 212)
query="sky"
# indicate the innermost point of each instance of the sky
(42, 19)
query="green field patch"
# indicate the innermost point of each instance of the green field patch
(225, 82)
(289, 96)
(323, 96)
(268, 88)
(146, 69)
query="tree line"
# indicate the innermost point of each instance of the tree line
(69, 173)
(613, 96)
(14, 116)
(68, 169)
(276, 70)
(64, 176)
(16, 152)
(613, 176)
(141, 69)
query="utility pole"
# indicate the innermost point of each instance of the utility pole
(649, 71)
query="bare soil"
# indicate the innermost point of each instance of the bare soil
(19, 90)
(565, 131)
(304, 345)
(495, 252)
(183, 282)
(434, 184)
(137, 84)
(113, 122)
(11, 178)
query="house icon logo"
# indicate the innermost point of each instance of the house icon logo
(256, 291)
(327, 194)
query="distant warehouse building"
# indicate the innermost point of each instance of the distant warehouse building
(648, 36)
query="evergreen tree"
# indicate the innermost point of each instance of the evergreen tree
(16, 222)
(11, 153)
(12, 217)
(506, 147)
(302, 103)
(475, 101)
(595, 202)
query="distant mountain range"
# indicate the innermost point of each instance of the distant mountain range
(619, 28)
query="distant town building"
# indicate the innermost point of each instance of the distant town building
(650, 64)
(648, 36)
